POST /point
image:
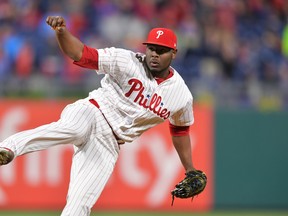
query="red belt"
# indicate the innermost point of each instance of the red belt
(94, 102)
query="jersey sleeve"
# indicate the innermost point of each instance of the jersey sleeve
(113, 61)
(178, 130)
(184, 116)
(179, 123)
(89, 58)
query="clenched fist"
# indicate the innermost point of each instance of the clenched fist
(57, 23)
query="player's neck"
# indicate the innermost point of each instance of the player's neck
(161, 74)
(160, 80)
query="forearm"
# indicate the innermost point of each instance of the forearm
(183, 147)
(69, 44)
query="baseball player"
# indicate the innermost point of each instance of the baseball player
(138, 92)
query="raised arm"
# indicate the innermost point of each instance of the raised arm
(69, 44)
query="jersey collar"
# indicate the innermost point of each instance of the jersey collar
(160, 80)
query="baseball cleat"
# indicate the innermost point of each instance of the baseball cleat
(6, 156)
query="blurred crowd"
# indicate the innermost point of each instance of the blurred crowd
(231, 53)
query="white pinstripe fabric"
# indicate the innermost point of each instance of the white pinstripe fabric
(96, 151)
(130, 119)
(128, 112)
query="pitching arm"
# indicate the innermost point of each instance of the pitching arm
(69, 44)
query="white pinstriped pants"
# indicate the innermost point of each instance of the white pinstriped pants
(96, 151)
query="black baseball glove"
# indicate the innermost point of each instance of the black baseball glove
(192, 185)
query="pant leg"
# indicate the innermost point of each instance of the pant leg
(92, 165)
(73, 127)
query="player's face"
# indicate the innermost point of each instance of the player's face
(158, 59)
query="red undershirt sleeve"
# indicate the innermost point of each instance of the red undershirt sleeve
(178, 130)
(89, 58)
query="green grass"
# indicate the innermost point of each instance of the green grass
(214, 213)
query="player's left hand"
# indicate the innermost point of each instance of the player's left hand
(193, 184)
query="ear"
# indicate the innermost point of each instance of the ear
(174, 52)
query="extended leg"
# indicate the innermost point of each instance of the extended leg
(73, 128)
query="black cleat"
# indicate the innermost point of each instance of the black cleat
(6, 156)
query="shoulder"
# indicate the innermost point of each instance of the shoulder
(113, 51)
(119, 55)
(180, 83)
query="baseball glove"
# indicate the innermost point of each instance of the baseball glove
(192, 185)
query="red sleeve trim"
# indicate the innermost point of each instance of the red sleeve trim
(179, 130)
(89, 58)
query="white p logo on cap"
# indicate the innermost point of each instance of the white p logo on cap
(159, 33)
(162, 37)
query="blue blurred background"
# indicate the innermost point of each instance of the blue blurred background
(232, 53)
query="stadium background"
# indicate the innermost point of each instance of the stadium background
(233, 57)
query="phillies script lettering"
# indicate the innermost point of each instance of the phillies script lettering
(154, 105)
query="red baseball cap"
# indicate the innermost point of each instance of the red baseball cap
(163, 37)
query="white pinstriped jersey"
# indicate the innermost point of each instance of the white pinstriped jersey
(134, 103)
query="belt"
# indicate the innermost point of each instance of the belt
(94, 102)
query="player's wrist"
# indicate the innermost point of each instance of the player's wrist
(190, 169)
(60, 30)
